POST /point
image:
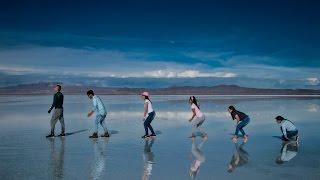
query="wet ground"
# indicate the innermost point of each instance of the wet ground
(25, 153)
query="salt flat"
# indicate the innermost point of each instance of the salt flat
(25, 153)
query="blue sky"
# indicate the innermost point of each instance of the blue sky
(265, 43)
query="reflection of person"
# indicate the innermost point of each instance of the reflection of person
(288, 129)
(288, 151)
(57, 159)
(199, 117)
(148, 158)
(242, 120)
(101, 113)
(148, 115)
(199, 158)
(98, 165)
(57, 104)
(239, 158)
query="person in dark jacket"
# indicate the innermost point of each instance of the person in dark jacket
(239, 158)
(57, 114)
(242, 120)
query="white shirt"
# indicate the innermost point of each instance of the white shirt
(199, 114)
(98, 105)
(287, 126)
(150, 109)
(287, 155)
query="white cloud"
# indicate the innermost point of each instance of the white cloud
(313, 81)
(98, 63)
(186, 74)
(112, 63)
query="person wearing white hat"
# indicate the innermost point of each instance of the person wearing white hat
(148, 115)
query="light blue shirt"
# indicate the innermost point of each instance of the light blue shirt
(287, 126)
(98, 105)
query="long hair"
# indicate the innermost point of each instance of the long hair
(194, 101)
(232, 108)
(147, 97)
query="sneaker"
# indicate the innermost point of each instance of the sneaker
(94, 135)
(192, 136)
(62, 134)
(49, 135)
(105, 135)
(145, 136)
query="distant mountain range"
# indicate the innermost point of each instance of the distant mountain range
(47, 88)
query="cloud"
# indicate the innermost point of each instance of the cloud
(101, 63)
(187, 74)
(98, 63)
(19, 70)
(313, 81)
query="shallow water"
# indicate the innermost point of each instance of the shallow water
(25, 153)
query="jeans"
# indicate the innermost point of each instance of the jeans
(290, 134)
(147, 123)
(196, 125)
(241, 125)
(57, 115)
(100, 119)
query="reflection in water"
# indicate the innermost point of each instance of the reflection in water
(313, 108)
(98, 165)
(198, 157)
(288, 151)
(148, 159)
(56, 162)
(239, 158)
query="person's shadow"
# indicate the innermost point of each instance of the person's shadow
(56, 162)
(148, 159)
(288, 151)
(239, 158)
(99, 158)
(197, 156)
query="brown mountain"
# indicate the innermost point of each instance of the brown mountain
(46, 88)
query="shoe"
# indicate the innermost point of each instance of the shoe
(94, 135)
(153, 135)
(105, 135)
(192, 136)
(62, 134)
(145, 136)
(234, 139)
(49, 135)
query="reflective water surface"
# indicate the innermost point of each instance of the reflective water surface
(25, 153)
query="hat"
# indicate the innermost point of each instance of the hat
(279, 118)
(145, 93)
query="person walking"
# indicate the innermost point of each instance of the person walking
(57, 114)
(101, 114)
(148, 115)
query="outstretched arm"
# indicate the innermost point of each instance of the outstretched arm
(237, 118)
(145, 110)
(53, 104)
(284, 132)
(193, 115)
(94, 108)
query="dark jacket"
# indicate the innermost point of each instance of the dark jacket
(57, 101)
